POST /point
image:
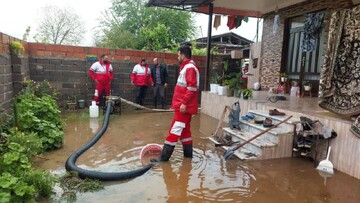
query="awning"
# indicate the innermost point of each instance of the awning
(251, 8)
(189, 5)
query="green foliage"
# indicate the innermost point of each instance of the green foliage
(26, 34)
(306, 83)
(37, 111)
(116, 37)
(247, 92)
(71, 184)
(31, 142)
(155, 38)
(18, 183)
(234, 80)
(42, 181)
(215, 79)
(16, 48)
(134, 17)
(38, 119)
(284, 74)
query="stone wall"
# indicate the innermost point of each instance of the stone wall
(272, 43)
(13, 71)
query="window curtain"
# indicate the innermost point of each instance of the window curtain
(312, 30)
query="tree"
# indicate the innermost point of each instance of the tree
(26, 34)
(60, 26)
(155, 39)
(116, 37)
(164, 25)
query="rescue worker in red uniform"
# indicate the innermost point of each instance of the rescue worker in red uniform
(102, 73)
(185, 104)
(141, 77)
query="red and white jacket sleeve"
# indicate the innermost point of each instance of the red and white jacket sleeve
(191, 87)
(133, 74)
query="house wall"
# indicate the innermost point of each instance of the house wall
(272, 51)
(254, 69)
(66, 68)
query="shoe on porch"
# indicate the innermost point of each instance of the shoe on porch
(275, 112)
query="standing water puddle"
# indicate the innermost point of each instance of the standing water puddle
(205, 178)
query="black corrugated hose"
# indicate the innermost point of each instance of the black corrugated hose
(103, 176)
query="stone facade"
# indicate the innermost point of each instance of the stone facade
(273, 49)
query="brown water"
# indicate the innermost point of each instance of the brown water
(205, 178)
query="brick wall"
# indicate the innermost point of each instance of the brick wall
(272, 44)
(66, 68)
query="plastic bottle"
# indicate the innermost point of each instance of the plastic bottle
(94, 110)
(96, 93)
(294, 90)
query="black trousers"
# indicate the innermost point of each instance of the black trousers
(140, 94)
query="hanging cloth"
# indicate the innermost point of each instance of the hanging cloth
(312, 30)
(231, 22)
(217, 21)
(276, 23)
(238, 21)
(246, 19)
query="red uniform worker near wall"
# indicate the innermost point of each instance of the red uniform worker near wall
(102, 73)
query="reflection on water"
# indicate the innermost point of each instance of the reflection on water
(205, 178)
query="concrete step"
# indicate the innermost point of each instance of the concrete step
(256, 146)
(242, 153)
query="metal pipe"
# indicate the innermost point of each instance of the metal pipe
(208, 46)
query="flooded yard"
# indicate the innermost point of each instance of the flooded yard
(205, 178)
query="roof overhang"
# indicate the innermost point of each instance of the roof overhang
(251, 8)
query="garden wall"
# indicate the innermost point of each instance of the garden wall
(66, 68)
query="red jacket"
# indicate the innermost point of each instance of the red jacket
(187, 87)
(101, 74)
(141, 76)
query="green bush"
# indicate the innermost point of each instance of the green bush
(16, 48)
(18, 181)
(37, 111)
(31, 142)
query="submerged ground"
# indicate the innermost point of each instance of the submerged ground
(205, 178)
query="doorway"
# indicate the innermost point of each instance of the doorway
(302, 66)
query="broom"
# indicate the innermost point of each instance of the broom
(325, 165)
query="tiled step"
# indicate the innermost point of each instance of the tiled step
(242, 153)
(256, 146)
(288, 125)
(265, 114)
(254, 129)
(242, 135)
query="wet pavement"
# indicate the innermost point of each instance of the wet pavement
(205, 178)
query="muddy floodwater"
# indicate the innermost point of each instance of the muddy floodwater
(205, 178)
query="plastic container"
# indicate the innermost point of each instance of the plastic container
(94, 110)
(294, 91)
(81, 103)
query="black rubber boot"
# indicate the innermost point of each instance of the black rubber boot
(188, 150)
(165, 154)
